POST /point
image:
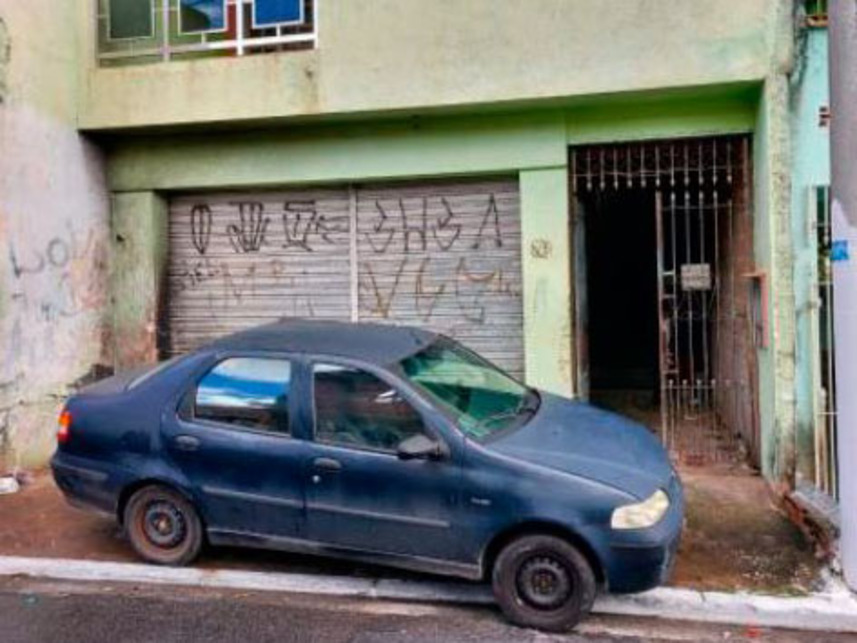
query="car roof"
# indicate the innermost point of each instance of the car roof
(370, 342)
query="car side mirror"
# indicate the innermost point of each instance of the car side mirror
(419, 447)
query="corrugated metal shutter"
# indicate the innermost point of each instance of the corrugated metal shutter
(238, 260)
(446, 256)
(443, 255)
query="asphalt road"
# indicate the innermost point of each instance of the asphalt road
(74, 612)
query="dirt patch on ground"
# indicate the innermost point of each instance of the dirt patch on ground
(734, 539)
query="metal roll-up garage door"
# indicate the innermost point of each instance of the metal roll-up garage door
(442, 255)
(238, 260)
(446, 256)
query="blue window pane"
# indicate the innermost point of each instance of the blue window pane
(275, 12)
(247, 392)
(202, 15)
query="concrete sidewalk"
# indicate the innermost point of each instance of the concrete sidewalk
(833, 611)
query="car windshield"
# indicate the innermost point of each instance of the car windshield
(483, 399)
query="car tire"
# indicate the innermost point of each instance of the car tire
(163, 526)
(543, 582)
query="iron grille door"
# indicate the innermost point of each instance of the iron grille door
(699, 191)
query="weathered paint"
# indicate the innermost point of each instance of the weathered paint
(411, 56)
(547, 279)
(533, 144)
(139, 251)
(773, 251)
(446, 90)
(412, 148)
(709, 111)
(53, 226)
(810, 168)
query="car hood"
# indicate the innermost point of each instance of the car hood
(579, 439)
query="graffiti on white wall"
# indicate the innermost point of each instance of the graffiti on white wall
(60, 278)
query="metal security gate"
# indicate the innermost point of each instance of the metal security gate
(709, 312)
(443, 255)
(448, 257)
(238, 260)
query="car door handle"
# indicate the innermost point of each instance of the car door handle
(327, 464)
(186, 443)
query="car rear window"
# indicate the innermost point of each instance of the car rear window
(151, 372)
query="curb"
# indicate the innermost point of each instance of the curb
(834, 611)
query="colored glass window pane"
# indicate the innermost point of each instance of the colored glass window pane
(274, 12)
(130, 19)
(202, 15)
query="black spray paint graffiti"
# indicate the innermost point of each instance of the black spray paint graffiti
(200, 227)
(492, 210)
(301, 220)
(249, 235)
(420, 280)
(302, 224)
(415, 228)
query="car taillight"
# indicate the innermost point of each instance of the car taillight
(64, 430)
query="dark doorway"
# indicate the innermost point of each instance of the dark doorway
(622, 287)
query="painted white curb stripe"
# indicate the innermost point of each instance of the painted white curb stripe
(835, 612)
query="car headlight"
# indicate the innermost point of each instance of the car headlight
(643, 514)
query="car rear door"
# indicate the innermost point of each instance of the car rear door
(231, 438)
(359, 494)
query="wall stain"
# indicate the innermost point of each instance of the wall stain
(5, 58)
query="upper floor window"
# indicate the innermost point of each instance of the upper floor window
(139, 31)
(816, 13)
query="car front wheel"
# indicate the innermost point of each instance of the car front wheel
(163, 527)
(543, 582)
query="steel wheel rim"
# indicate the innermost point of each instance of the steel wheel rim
(544, 582)
(163, 525)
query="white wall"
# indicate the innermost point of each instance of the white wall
(53, 228)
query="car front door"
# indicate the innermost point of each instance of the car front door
(232, 440)
(360, 493)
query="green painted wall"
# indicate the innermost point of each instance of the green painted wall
(533, 144)
(412, 56)
(545, 242)
(139, 255)
(810, 168)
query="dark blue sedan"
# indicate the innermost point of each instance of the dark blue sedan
(386, 444)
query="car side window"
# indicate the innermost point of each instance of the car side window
(354, 408)
(246, 392)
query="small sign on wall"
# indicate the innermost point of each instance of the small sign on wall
(696, 276)
(839, 251)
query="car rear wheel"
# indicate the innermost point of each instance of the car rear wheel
(163, 527)
(543, 582)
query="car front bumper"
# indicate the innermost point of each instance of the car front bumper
(639, 560)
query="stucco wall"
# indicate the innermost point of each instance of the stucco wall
(532, 144)
(412, 55)
(810, 168)
(53, 228)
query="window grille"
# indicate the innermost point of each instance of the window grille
(146, 31)
(826, 452)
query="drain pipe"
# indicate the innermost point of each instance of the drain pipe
(843, 139)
